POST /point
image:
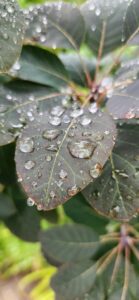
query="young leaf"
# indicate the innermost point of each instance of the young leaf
(81, 212)
(56, 25)
(11, 33)
(41, 66)
(116, 192)
(66, 149)
(74, 280)
(104, 22)
(19, 102)
(69, 243)
(124, 103)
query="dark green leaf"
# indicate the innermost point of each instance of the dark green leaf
(41, 66)
(69, 243)
(11, 33)
(75, 67)
(131, 22)
(65, 155)
(81, 212)
(116, 192)
(124, 103)
(19, 102)
(26, 222)
(74, 280)
(56, 25)
(104, 22)
(7, 164)
(7, 207)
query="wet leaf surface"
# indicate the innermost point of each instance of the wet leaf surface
(59, 153)
(116, 192)
(11, 33)
(104, 21)
(124, 103)
(56, 25)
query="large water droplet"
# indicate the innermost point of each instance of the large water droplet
(85, 121)
(26, 145)
(51, 134)
(81, 148)
(77, 113)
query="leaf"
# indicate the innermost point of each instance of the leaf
(11, 33)
(81, 212)
(66, 153)
(104, 23)
(26, 222)
(7, 163)
(19, 102)
(131, 22)
(41, 66)
(56, 25)
(124, 103)
(7, 207)
(116, 192)
(74, 280)
(69, 243)
(75, 69)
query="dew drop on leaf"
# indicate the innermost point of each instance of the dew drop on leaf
(51, 134)
(30, 202)
(81, 149)
(26, 145)
(30, 164)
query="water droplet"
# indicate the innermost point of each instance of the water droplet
(96, 171)
(26, 145)
(30, 202)
(51, 134)
(76, 113)
(48, 158)
(85, 121)
(93, 108)
(29, 165)
(57, 111)
(98, 12)
(52, 148)
(63, 174)
(81, 149)
(73, 191)
(52, 194)
(55, 121)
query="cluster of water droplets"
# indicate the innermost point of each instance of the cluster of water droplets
(11, 31)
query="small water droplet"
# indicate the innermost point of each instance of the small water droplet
(51, 134)
(96, 171)
(76, 113)
(85, 121)
(57, 111)
(55, 121)
(30, 202)
(26, 145)
(29, 165)
(73, 191)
